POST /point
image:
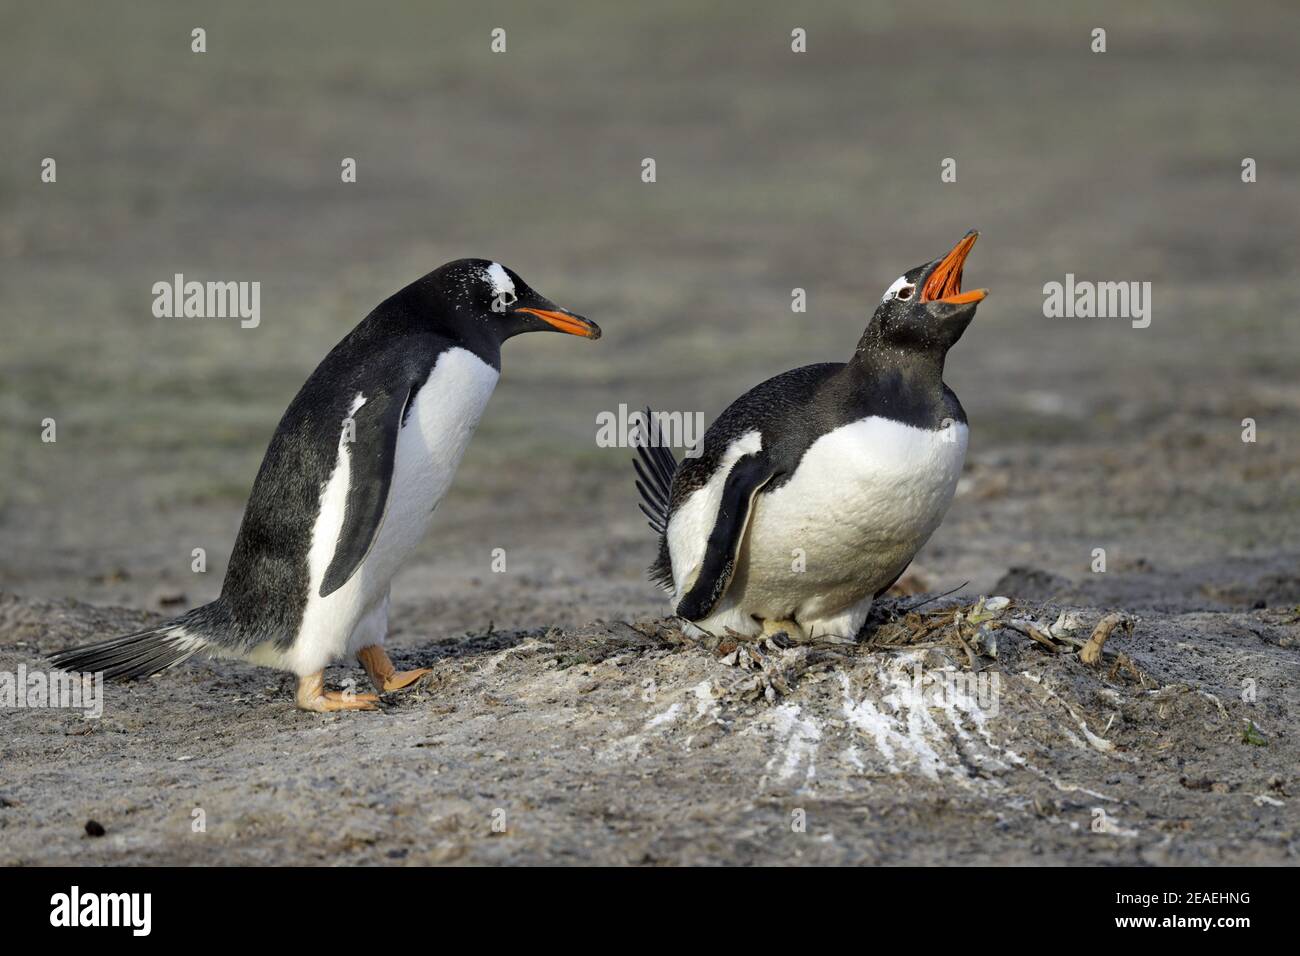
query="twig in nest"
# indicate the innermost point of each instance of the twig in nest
(1029, 629)
(896, 630)
(1090, 653)
(910, 638)
(970, 655)
(1125, 663)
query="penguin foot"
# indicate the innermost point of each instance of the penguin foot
(405, 678)
(313, 696)
(383, 675)
(790, 629)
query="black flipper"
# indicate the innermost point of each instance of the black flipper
(655, 466)
(746, 478)
(371, 454)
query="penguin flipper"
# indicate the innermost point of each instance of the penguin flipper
(745, 480)
(371, 457)
(655, 467)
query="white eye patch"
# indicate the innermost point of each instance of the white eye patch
(503, 289)
(901, 289)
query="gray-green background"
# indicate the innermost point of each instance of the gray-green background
(775, 170)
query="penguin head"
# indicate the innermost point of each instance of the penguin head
(491, 298)
(924, 310)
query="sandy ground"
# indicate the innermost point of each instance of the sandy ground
(775, 171)
(620, 743)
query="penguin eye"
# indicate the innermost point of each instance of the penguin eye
(899, 289)
(503, 300)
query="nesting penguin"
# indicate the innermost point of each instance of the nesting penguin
(814, 490)
(348, 486)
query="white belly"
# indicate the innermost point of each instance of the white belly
(430, 444)
(861, 503)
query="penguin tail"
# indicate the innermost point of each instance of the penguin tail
(655, 467)
(141, 653)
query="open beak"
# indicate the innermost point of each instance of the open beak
(567, 322)
(944, 283)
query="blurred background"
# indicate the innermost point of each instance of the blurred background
(775, 170)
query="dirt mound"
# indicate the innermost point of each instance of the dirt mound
(953, 733)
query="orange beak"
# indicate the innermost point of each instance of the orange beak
(944, 283)
(567, 322)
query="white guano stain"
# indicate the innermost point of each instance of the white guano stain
(799, 737)
(629, 747)
(914, 728)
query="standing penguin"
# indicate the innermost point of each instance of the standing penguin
(815, 489)
(358, 464)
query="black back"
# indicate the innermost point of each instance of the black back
(792, 410)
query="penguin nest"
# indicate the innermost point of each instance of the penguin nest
(975, 631)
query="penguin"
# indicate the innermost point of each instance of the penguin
(813, 491)
(348, 486)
